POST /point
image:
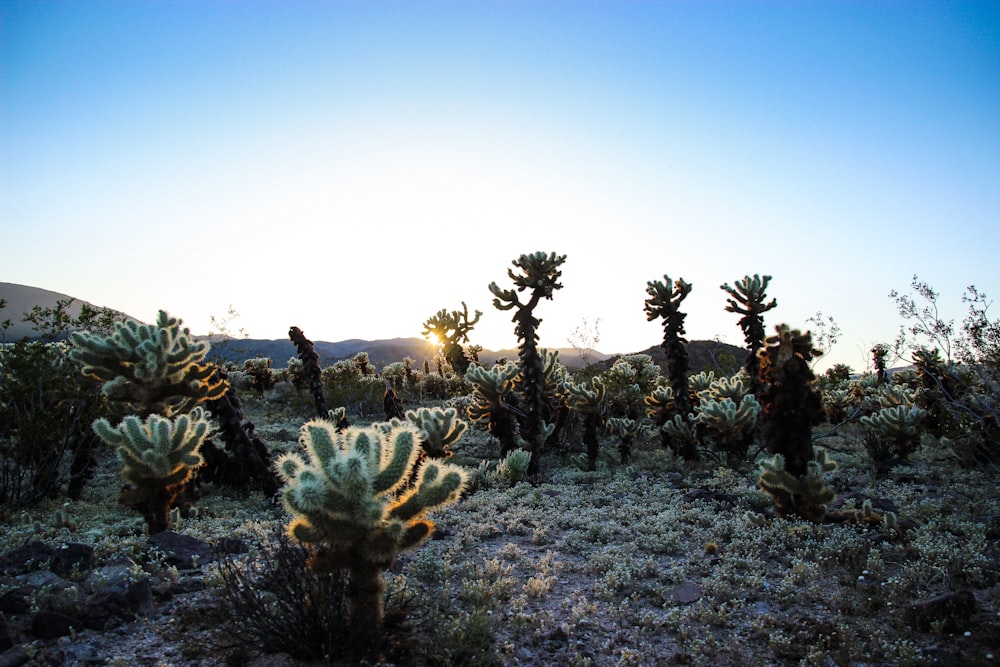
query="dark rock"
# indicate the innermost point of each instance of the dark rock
(951, 612)
(16, 600)
(106, 610)
(32, 556)
(188, 585)
(52, 625)
(687, 593)
(183, 551)
(232, 545)
(14, 657)
(6, 641)
(72, 556)
(139, 596)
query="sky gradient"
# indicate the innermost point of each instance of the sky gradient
(351, 168)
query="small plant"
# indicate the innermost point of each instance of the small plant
(349, 499)
(158, 455)
(440, 430)
(514, 467)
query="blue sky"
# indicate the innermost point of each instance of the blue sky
(353, 167)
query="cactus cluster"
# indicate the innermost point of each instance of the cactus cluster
(494, 401)
(801, 495)
(589, 402)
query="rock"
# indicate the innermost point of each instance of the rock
(106, 610)
(183, 551)
(14, 657)
(72, 556)
(706, 494)
(6, 641)
(232, 545)
(31, 556)
(951, 612)
(687, 593)
(51, 592)
(52, 625)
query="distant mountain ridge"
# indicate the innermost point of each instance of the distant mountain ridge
(22, 298)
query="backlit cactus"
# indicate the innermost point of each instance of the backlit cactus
(440, 429)
(158, 455)
(664, 303)
(748, 299)
(589, 402)
(626, 430)
(802, 495)
(730, 425)
(149, 368)
(539, 273)
(451, 330)
(349, 499)
(897, 427)
(492, 390)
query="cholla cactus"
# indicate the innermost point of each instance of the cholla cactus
(748, 297)
(700, 382)
(729, 424)
(261, 375)
(804, 495)
(682, 433)
(349, 499)
(626, 430)
(149, 368)
(440, 428)
(158, 456)
(837, 403)
(589, 402)
(539, 273)
(891, 395)
(451, 330)
(309, 368)
(491, 402)
(664, 302)
(792, 406)
(897, 426)
(733, 388)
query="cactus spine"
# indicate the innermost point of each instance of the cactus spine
(158, 456)
(349, 499)
(539, 273)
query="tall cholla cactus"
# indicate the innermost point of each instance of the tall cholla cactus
(589, 402)
(491, 391)
(664, 302)
(349, 498)
(748, 300)
(149, 368)
(539, 273)
(158, 456)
